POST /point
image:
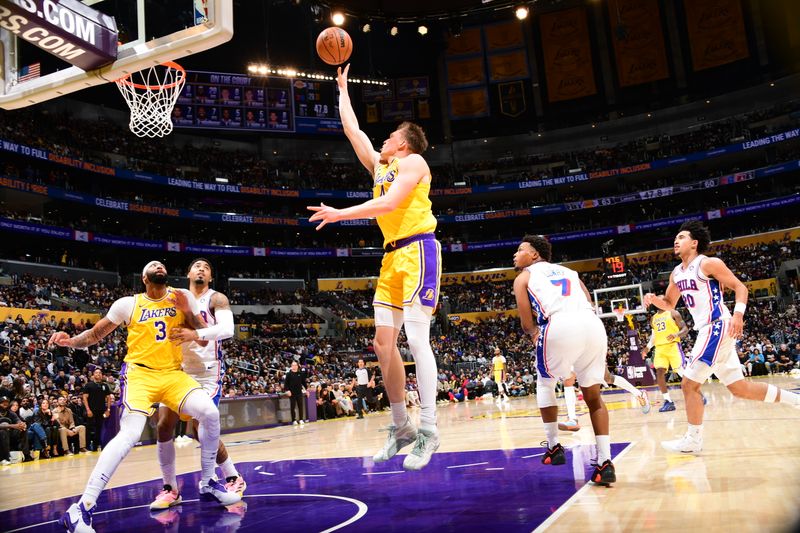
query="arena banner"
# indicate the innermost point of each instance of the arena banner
(469, 103)
(27, 314)
(465, 72)
(638, 41)
(458, 318)
(567, 54)
(503, 35)
(716, 32)
(36, 153)
(508, 66)
(468, 43)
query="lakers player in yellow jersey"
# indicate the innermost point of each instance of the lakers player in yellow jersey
(408, 286)
(668, 328)
(150, 374)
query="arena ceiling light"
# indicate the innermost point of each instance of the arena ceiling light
(366, 28)
(337, 17)
(423, 30)
(521, 12)
(394, 30)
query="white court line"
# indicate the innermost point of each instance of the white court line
(534, 455)
(310, 475)
(383, 473)
(572, 499)
(497, 468)
(257, 468)
(471, 464)
(362, 509)
(266, 473)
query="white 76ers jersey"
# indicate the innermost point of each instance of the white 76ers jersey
(201, 359)
(553, 288)
(702, 295)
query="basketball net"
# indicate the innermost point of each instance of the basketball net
(151, 95)
(620, 314)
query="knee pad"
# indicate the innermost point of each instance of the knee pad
(546, 393)
(390, 318)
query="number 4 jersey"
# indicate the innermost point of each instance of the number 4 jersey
(702, 295)
(149, 323)
(553, 288)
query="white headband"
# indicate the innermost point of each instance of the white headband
(148, 265)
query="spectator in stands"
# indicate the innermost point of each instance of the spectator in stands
(13, 433)
(67, 428)
(326, 408)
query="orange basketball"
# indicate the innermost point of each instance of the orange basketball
(334, 46)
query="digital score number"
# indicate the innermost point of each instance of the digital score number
(615, 266)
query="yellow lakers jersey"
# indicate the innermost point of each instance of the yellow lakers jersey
(148, 332)
(413, 216)
(663, 325)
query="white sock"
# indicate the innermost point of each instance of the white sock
(792, 398)
(570, 399)
(666, 397)
(130, 431)
(623, 383)
(399, 413)
(418, 333)
(695, 432)
(551, 432)
(166, 460)
(228, 468)
(199, 406)
(603, 448)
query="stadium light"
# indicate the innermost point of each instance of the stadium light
(423, 30)
(366, 28)
(337, 17)
(394, 31)
(521, 12)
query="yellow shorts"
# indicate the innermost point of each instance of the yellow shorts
(498, 377)
(410, 272)
(143, 387)
(669, 355)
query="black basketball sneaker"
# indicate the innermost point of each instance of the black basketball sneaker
(554, 455)
(604, 474)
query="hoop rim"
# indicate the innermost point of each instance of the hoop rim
(169, 64)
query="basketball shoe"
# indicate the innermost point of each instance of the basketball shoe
(604, 474)
(554, 455)
(78, 519)
(644, 401)
(167, 498)
(668, 406)
(214, 490)
(685, 444)
(427, 443)
(399, 438)
(569, 425)
(235, 484)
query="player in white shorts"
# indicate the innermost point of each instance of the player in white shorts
(554, 309)
(700, 280)
(206, 365)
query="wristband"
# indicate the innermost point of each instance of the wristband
(739, 307)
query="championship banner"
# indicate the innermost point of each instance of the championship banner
(508, 66)
(464, 72)
(567, 54)
(512, 98)
(469, 42)
(397, 110)
(416, 87)
(505, 35)
(638, 41)
(372, 113)
(716, 32)
(469, 103)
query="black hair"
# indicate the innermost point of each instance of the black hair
(205, 261)
(698, 232)
(541, 245)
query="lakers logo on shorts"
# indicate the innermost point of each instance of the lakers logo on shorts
(428, 294)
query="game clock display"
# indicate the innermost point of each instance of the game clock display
(615, 266)
(217, 100)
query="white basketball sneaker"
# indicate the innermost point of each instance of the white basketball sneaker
(685, 444)
(420, 456)
(399, 438)
(78, 519)
(213, 490)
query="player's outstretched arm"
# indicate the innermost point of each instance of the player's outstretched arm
(412, 170)
(717, 269)
(524, 304)
(668, 301)
(88, 338)
(222, 330)
(361, 143)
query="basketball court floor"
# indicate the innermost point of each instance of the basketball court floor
(487, 476)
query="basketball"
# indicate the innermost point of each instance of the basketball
(334, 46)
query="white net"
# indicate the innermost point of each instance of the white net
(151, 95)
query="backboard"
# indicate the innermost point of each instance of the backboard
(150, 32)
(629, 298)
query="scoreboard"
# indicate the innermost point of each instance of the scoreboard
(217, 100)
(615, 266)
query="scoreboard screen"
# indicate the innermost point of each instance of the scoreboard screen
(615, 266)
(217, 100)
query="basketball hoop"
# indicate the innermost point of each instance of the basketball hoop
(151, 94)
(619, 313)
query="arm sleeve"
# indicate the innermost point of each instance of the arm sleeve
(121, 310)
(222, 330)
